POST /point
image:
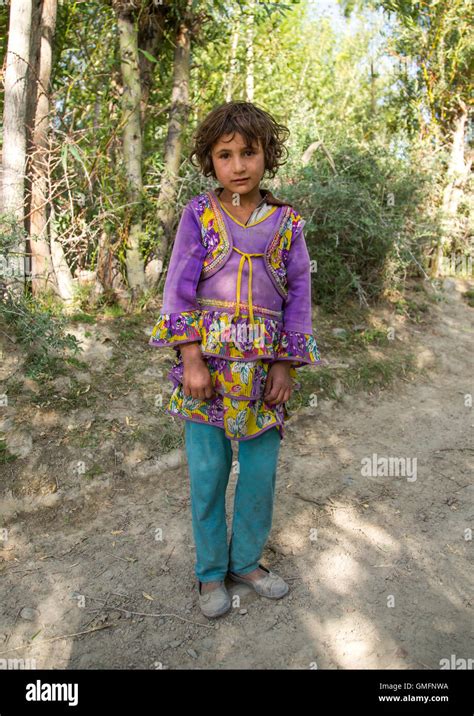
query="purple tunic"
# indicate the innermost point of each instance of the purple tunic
(202, 309)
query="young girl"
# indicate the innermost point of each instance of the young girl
(237, 310)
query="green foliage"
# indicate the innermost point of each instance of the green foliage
(39, 330)
(365, 375)
(357, 221)
(5, 455)
(37, 324)
(469, 297)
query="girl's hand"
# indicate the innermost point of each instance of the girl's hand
(279, 383)
(197, 381)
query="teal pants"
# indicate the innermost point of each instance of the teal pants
(209, 455)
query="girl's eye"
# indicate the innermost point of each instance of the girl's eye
(247, 151)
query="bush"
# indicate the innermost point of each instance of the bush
(359, 222)
(37, 324)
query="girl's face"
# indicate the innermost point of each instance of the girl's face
(238, 167)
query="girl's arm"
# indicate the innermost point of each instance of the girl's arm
(178, 322)
(297, 342)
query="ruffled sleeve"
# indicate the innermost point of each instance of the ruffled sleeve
(178, 322)
(297, 342)
(174, 329)
(299, 347)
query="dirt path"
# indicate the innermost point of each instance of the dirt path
(380, 565)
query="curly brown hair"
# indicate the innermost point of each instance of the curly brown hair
(248, 120)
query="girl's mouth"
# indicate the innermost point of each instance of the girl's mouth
(240, 181)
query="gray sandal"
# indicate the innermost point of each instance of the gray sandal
(271, 586)
(216, 602)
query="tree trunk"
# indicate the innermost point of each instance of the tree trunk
(62, 272)
(108, 271)
(44, 23)
(14, 135)
(178, 116)
(132, 149)
(233, 61)
(149, 40)
(137, 77)
(457, 175)
(249, 82)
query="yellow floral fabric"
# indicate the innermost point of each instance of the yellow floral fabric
(238, 361)
(232, 409)
(223, 336)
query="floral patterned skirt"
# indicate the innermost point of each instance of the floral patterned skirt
(238, 406)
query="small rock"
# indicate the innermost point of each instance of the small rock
(6, 424)
(339, 332)
(242, 611)
(153, 372)
(338, 388)
(449, 284)
(192, 653)
(29, 614)
(19, 443)
(62, 383)
(82, 377)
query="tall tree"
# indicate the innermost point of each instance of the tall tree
(14, 123)
(37, 121)
(140, 30)
(249, 38)
(178, 115)
(132, 142)
(438, 37)
(233, 59)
